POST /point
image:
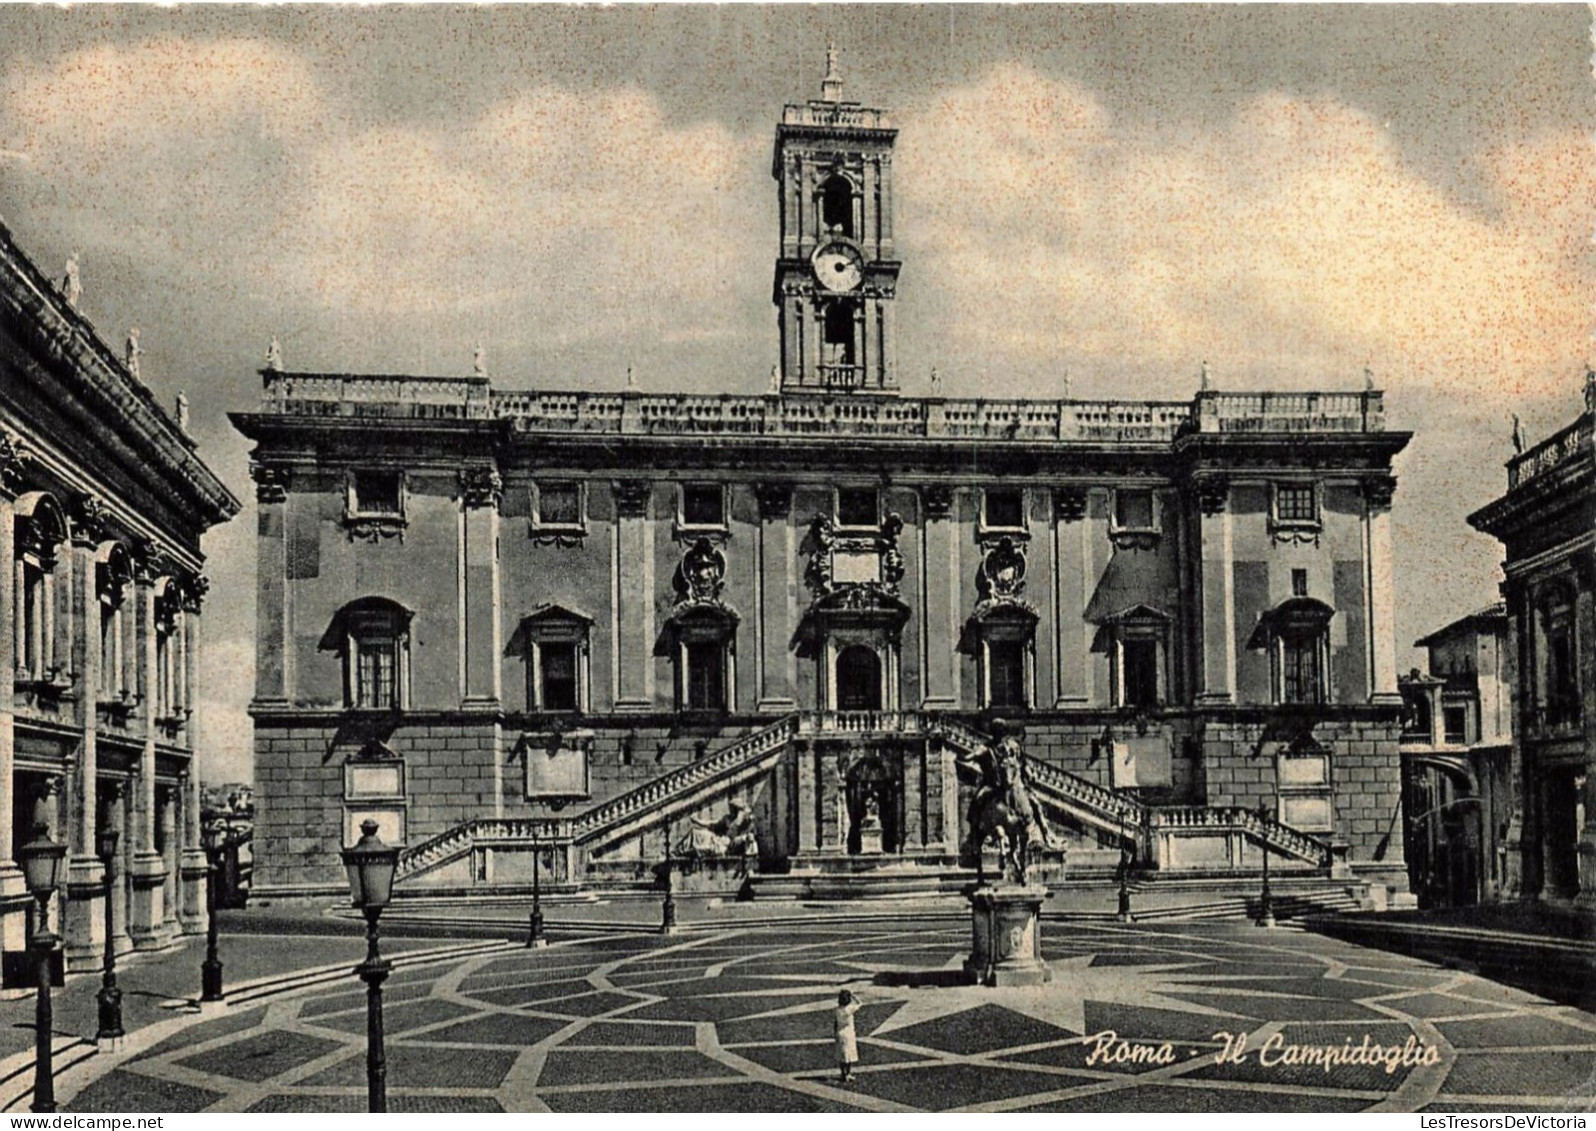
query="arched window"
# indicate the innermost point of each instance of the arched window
(41, 528)
(858, 679)
(836, 206)
(168, 660)
(373, 637)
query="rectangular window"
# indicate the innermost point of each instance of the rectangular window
(559, 504)
(376, 662)
(1005, 509)
(1296, 502)
(377, 492)
(1006, 673)
(558, 664)
(1562, 687)
(1300, 670)
(858, 506)
(1133, 509)
(1456, 721)
(703, 504)
(706, 677)
(1141, 673)
(1299, 583)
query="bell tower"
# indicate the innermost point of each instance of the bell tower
(837, 274)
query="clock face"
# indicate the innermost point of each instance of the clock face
(839, 267)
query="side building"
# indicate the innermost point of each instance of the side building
(1457, 762)
(495, 619)
(1547, 525)
(102, 504)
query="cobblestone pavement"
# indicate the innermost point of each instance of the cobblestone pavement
(740, 1020)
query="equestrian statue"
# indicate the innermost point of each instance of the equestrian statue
(1003, 810)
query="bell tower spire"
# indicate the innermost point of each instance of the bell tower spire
(837, 272)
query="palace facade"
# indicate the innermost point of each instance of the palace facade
(508, 622)
(102, 504)
(1547, 524)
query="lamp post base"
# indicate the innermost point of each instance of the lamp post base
(110, 999)
(211, 980)
(534, 933)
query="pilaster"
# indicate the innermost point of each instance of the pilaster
(939, 598)
(1218, 597)
(1072, 581)
(633, 573)
(778, 595)
(84, 926)
(147, 874)
(272, 645)
(12, 889)
(1380, 591)
(481, 633)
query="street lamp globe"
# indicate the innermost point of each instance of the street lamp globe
(43, 862)
(371, 865)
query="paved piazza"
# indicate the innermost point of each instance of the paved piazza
(740, 1020)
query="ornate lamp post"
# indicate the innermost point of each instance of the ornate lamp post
(215, 836)
(109, 997)
(667, 924)
(1125, 857)
(371, 865)
(1266, 908)
(43, 863)
(534, 935)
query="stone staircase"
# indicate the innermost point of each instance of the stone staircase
(1153, 828)
(660, 799)
(1158, 832)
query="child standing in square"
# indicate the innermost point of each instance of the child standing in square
(847, 1038)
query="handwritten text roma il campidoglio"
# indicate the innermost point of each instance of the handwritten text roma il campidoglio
(1108, 1048)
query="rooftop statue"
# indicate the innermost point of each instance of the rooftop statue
(479, 361)
(71, 285)
(133, 351)
(274, 355)
(182, 410)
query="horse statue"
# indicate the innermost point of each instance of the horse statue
(1002, 810)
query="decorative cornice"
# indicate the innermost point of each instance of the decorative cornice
(194, 591)
(937, 499)
(1213, 493)
(775, 500)
(481, 487)
(1069, 504)
(1378, 491)
(90, 519)
(13, 457)
(271, 481)
(631, 497)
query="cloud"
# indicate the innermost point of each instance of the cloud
(1286, 245)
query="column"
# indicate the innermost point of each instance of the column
(1072, 641)
(480, 627)
(1218, 595)
(116, 802)
(13, 892)
(633, 617)
(777, 579)
(1380, 591)
(1584, 577)
(84, 928)
(939, 599)
(166, 814)
(147, 874)
(193, 873)
(272, 645)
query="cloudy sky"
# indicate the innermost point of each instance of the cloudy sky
(1113, 193)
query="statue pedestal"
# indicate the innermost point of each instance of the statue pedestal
(1006, 936)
